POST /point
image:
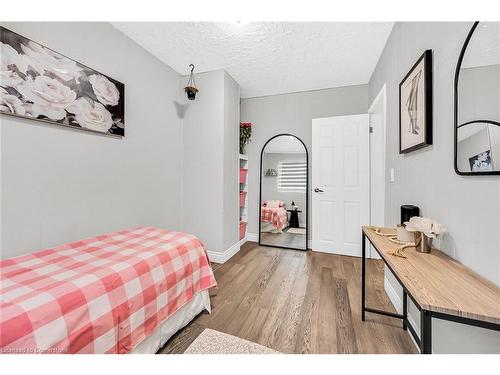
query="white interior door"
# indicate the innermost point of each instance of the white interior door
(340, 183)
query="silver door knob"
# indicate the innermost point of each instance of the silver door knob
(317, 190)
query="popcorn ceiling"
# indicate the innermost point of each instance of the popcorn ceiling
(271, 57)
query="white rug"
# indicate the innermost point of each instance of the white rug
(297, 230)
(214, 342)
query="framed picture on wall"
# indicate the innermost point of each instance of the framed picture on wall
(481, 162)
(415, 106)
(40, 84)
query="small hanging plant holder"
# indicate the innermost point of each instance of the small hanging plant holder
(191, 89)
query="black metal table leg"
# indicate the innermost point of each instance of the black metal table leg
(363, 266)
(405, 309)
(425, 332)
(364, 309)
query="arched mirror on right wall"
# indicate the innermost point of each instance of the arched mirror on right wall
(477, 102)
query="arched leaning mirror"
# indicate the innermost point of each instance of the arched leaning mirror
(477, 102)
(283, 193)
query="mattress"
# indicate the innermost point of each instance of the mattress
(178, 320)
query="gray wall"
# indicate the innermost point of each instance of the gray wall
(479, 93)
(479, 96)
(210, 199)
(60, 184)
(292, 113)
(203, 134)
(427, 178)
(231, 185)
(477, 143)
(270, 184)
(176, 168)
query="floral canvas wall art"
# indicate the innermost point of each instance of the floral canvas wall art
(38, 83)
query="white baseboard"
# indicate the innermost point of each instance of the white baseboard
(221, 258)
(253, 237)
(397, 302)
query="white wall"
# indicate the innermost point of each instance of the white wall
(426, 177)
(60, 184)
(210, 199)
(292, 113)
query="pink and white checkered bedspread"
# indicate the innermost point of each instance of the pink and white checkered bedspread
(100, 295)
(276, 216)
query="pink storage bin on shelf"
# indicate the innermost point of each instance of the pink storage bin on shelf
(243, 229)
(243, 175)
(243, 195)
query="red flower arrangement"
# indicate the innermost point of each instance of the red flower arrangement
(245, 135)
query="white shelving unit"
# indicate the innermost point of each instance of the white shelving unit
(244, 187)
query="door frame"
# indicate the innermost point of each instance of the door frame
(307, 191)
(381, 96)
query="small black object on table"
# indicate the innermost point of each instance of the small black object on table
(294, 218)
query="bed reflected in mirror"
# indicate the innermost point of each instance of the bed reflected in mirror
(283, 193)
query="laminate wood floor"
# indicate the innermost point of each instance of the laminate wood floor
(284, 239)
(298, 302)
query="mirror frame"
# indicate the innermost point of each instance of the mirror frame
(307, 193)
(455, 113)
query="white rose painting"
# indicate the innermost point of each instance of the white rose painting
(38, 83)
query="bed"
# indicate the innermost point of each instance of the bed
(273, 216)
(121, 292)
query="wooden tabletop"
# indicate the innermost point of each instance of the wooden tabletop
(439, 283)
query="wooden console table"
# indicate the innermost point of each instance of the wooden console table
(438, 285)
